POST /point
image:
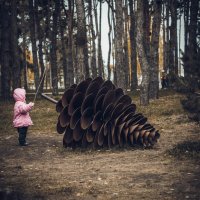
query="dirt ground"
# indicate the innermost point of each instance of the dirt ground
(46, 170)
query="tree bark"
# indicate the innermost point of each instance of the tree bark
(93, 59)
(14, 46)
(81, 40)
(146, 26)
(186, 24)
(40, 47)
(142, 55)
(134, 80)
(192, 46)
(70, 63)
(53, 49)
(194, 9)
(164, 36)
(33, 42)
(24, 49)
(100, 59)
(47, 45)
(24, 63)
(5, 53)
(114, 43)
(154, 70)
(109, 40)
(97, 25)
(167, 38)
(63, 50)
(173, 38)
(126, 56)
(118, 45)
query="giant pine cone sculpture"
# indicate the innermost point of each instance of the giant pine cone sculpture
(96, 113)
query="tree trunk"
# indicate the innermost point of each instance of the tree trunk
(70, 63)
(47, 45)
(126, 56)
(146, 26)
(109, 40)
(64, 55)
(186, 24)
(100, 59)
(164, 37)
(167, 38)
(114, 42)
(154, 70)
(192, 46)
(179, 46)
(24, 63)
(54, 67)
(86, 63)
(98, 31)
(79, 70)
(81, 40)
(63, 49)
(48, 70)
(118, 45)
(134, 80)
(194, 9)
(173, 38)
(14, 46)
(0, 41)
(93, 59)
(5, 53)
(142, 55)
(25, 81)
(40, 47)
(33, 42)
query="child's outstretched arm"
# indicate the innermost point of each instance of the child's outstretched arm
(24, 108)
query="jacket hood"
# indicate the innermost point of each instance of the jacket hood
(19, 94)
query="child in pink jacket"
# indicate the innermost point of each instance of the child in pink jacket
(21, 118)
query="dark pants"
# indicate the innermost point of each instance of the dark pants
(22, 135)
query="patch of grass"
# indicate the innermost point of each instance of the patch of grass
(188, 149)
(44, 116)
(182, 120)
(162, 107)
(6, 116)
(167, 112)
(168, 104)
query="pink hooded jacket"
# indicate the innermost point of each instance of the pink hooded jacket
(21, 116)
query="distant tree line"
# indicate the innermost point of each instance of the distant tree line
(66, 35)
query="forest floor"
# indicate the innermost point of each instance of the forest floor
(46, 170)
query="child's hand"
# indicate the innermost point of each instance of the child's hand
(32, 104)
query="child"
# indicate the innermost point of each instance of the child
(21, 119)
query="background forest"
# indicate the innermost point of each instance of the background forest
(62, 39)
(49, 45)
